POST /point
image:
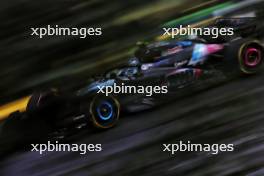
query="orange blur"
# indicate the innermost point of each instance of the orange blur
(17, 105)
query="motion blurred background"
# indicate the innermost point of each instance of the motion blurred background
(29, 63)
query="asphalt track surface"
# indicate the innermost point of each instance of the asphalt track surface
(229, 113)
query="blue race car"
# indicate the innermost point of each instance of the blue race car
(173, 67)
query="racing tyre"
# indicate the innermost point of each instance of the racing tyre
(104, 111)
(250, 57)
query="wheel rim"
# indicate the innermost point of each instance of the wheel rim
(105, 110)
(252, 57)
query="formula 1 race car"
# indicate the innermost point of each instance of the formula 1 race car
(176, 65)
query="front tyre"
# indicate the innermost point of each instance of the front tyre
(250, 57)
(104, 111)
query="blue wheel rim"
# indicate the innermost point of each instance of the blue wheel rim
(109, 106)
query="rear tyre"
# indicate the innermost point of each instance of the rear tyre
(104, 111)
(250, 57)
